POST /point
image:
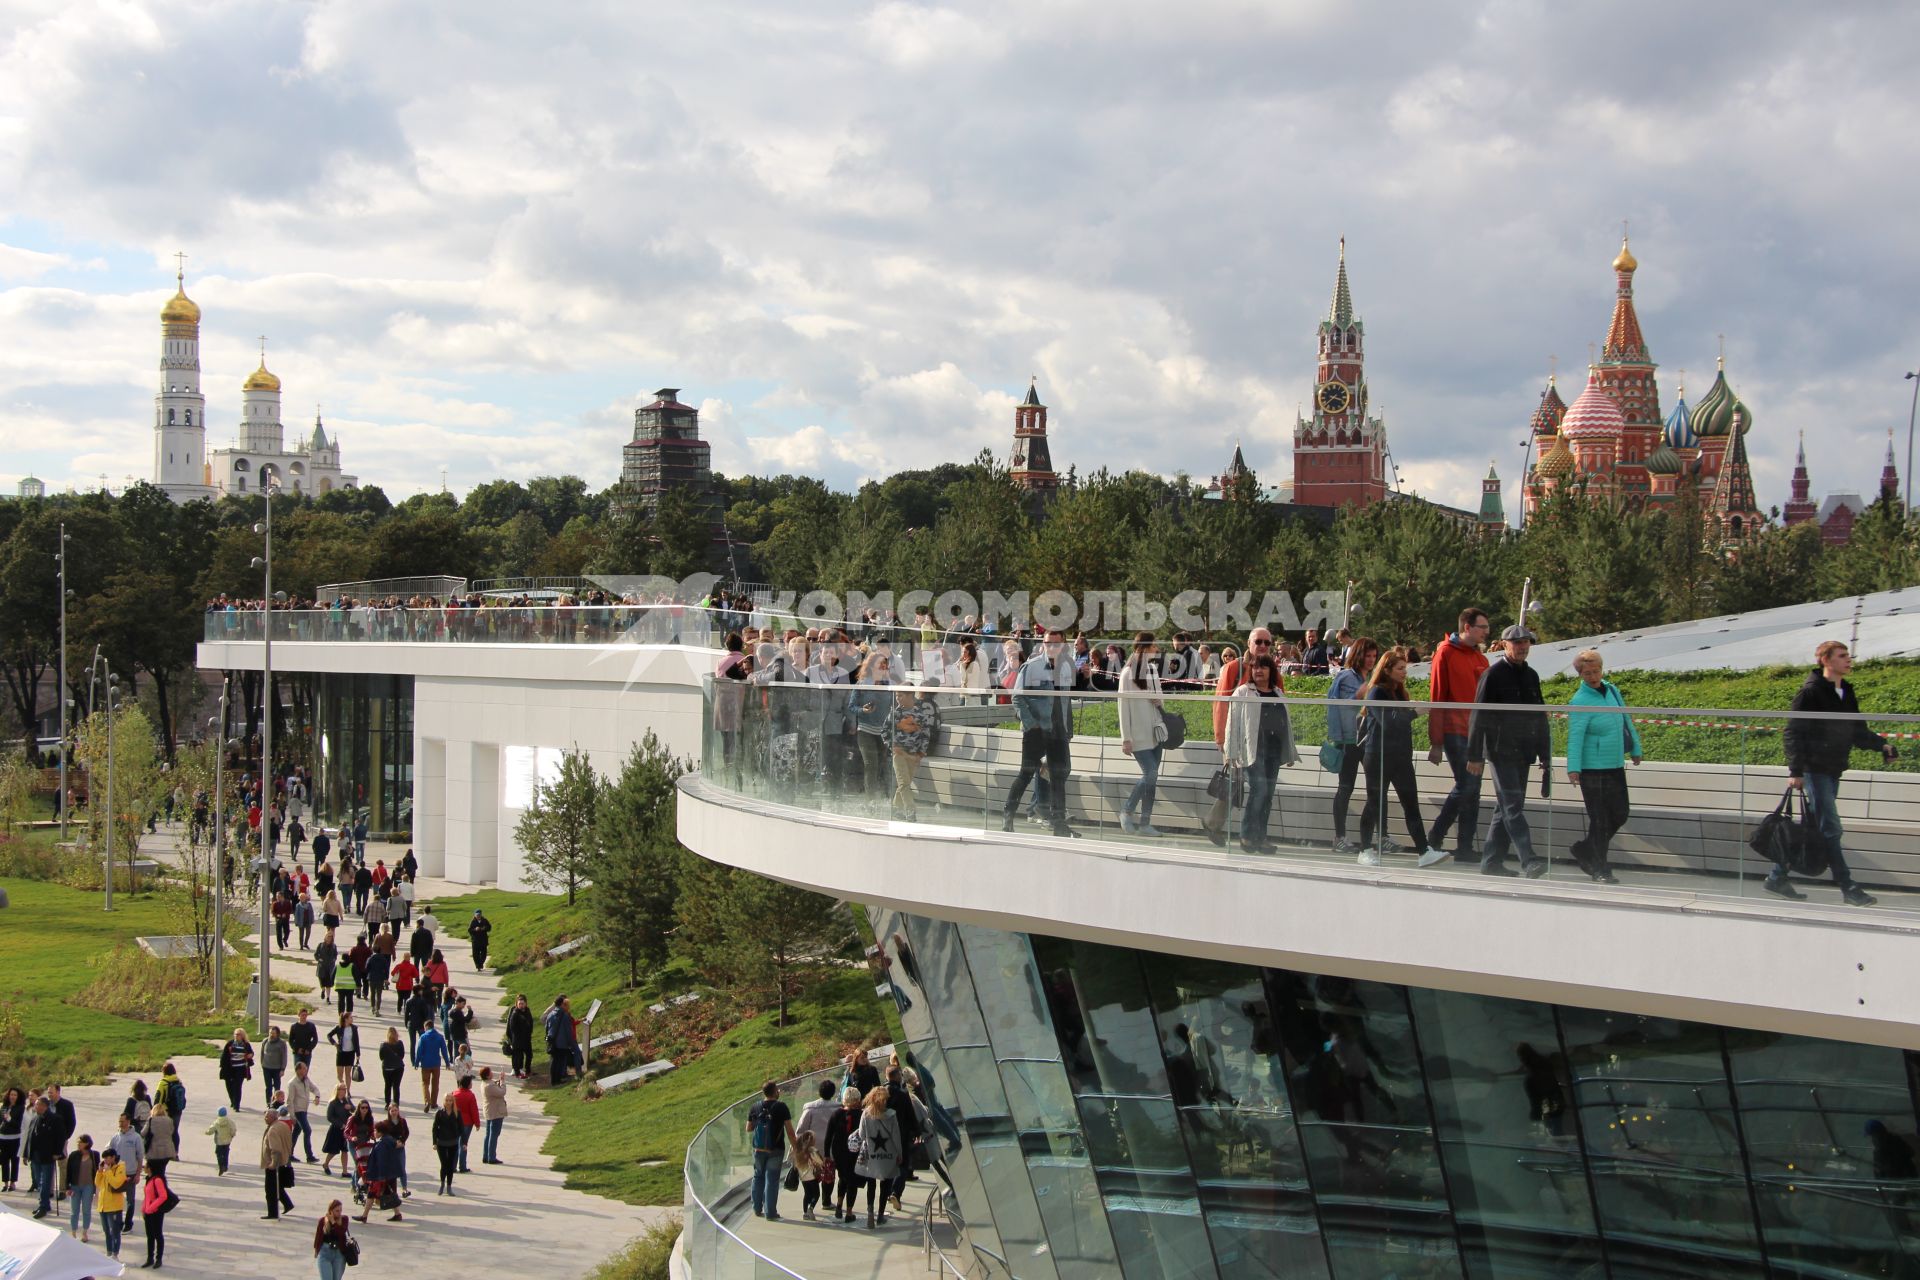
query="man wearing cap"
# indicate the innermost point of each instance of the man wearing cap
(1511, 741)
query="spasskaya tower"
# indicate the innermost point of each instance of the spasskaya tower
(1340, 452)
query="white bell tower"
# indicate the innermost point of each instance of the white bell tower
(179, 410)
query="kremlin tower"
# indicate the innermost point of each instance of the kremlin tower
(1340, 453)
(179, 409)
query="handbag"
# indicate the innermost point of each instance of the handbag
(286, 1175)
(389, 1198)
(1781, 838)
(1228, 782)
(792, 1180)
(359, 1074)
(350, 1251)
(1332, 756)
(1176, 729)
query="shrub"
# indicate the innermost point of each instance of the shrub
(645, 1258)
(133, 984)
(29, 859)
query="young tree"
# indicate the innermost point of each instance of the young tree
(636, 872)
(138, 780)
(17, 776)
(559, 832)
(759, 937)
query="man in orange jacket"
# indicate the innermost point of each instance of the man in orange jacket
(1455, 677)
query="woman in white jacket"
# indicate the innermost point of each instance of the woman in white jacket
(968, 673)
(1141, 732)
(1259, 740)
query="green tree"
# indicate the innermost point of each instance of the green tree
(558, 499)
(1781, 567)
(560, 831)
(758, 937)
(1085, 544)
(1687, 563)
(138, 782)
(1413, 566)
(1880, 556)
(636, 871)
(494, 503)
(682, 534)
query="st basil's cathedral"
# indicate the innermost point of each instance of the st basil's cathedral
(1612, 443)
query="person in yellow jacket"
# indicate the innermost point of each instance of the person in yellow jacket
(110, 1184)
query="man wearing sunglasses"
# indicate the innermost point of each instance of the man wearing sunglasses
(1232, 676)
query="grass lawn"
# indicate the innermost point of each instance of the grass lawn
(50, 938)
(601, 1145)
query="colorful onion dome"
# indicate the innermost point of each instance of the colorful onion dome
(1714, 414)
(1546, 418)
(1742, 416)
(1558, 463)
(1594, 415)
(1663, 461)
(1679, 433)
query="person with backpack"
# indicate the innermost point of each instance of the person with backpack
(156, 1202)
(563, 1043)
(770, 1129)
(173, 1092)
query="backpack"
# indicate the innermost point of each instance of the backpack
(765, 1132)
(176, 1098)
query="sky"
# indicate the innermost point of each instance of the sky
(478, 236)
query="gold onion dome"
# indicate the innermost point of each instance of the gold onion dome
(1626, 261)
(1559, 460)
(260, 379)
(180, 309)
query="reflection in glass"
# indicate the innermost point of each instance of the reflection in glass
(1669, 1180)
(1503, 1105)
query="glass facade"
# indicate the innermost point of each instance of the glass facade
(363, 756)
(1107, 1111)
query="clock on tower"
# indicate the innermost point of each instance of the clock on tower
(1334, 398)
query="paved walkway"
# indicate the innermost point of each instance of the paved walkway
(514, 1219)
(824, 1248)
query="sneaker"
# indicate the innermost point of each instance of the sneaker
(1604, 876)
(1497, 868)
(1146, 829)
(1344, 845)
(1006, 822)
(1369, 858)
(1127, 824)
(1782, 888)
(1535, 869)
(1855, 896)
(1432, 857)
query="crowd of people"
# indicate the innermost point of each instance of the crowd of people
(842, 709)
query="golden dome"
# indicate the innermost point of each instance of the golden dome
(260, 379)
(1626, 261)
(1558, 462)
(180, 309)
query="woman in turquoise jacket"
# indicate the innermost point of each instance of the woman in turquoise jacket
(1598, 747)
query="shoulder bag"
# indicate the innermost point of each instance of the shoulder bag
(350, 1250)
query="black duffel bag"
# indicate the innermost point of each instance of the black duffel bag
(1782, 839)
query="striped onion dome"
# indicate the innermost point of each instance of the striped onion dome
(1594, 415)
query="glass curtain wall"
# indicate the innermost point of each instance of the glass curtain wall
(1122, 1112)
(364, 753)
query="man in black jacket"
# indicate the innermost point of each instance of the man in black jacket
(1511, 741)
(1817, 754)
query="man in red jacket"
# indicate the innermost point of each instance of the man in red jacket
(1455, 677)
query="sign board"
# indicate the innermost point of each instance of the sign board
(593, 1011)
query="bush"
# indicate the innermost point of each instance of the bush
(29, 859)
(133, 984)
(644, 1258)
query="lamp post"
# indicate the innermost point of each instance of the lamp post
(112, 702)
(220, 851)
(1914, 378)
(61, 556)
(265, 563)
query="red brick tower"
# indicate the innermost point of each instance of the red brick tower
(1340, 454)
(1800, 507)
(1625, 372)
(1031, 463)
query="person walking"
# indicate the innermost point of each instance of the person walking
(339, 1112)
(1343, 731)
(173, 1092)
(1598, 746)
(881, 1144)
(276, 1166)
(274, 1053)
(345, 1039)
(494, 1089)
(519, 1038)
(110, 1193)
(914, 722)
(467, 1107)
(222, 1131)
(13, 1119)
(1046, 728)
(393, 1066)
(1386, 746)
(322, 846)
(446, 1142)
(1454, 676)
(42, 1140)
(131, 1148)
(418, 1012)
(1818, 752)
(83, 1166)
(401, 1131)
(156, 1202)
(301, 1095)
(430, 1055)
(344, 985)
(769, 1129)
(379, 964)
(1232, 676)
(1143, 732)
(303, 1037)
(383, 1165)
(843, 1142)
(563, 1043)
(326, 959)
(1259, 740)
(1511, 741)
(479, 928)
(816, 1119)
(162, 1140)
(870, 709)
(333, 1243)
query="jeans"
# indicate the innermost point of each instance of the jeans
(1461, 808)
(1823, 826)
(767, 1167)
(43, 1179)
(111, 1221)
(1141, 797)
(303, 1130)
(490, 1143)
(1036, 745)
(272, 1080)
(220, 1157)
(333, 1265)
(466, 1131)
(80, 1208)
(1604, 793)
(1509, 825)
(1260, 782)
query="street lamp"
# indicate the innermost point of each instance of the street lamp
(61, 556)
(265, 563)
(218, 725)
(1914, 378)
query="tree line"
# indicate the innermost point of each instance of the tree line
(142, 568)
